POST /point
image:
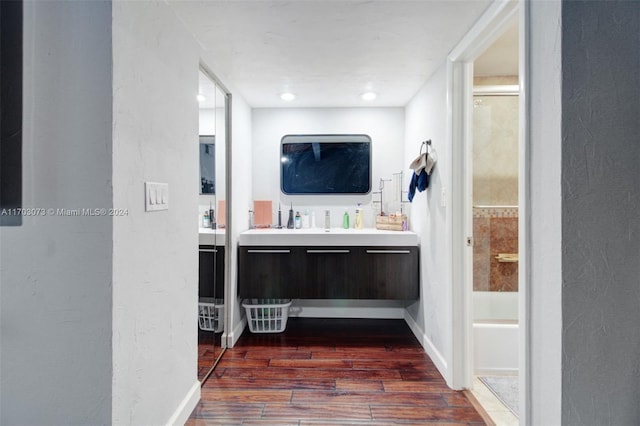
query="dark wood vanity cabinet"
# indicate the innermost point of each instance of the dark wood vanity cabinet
(268, 272)
(389, 273)
(328, 272)
(211, 264)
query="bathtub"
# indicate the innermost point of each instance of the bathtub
(495, 333)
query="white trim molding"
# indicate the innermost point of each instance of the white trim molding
(459, 103)
(186, 406)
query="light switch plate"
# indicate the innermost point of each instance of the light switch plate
(156, 196)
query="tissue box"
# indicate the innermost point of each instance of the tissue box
(392, 222)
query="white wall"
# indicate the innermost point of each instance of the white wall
(55, 270)
(385, 126)
(155, 260)
(545, 261)
(426, 119)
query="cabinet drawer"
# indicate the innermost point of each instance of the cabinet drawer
(211, 271)
(327, 274)
(390, 273)
(267, 272)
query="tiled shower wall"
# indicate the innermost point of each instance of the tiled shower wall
(495, 231)
(495, 185)
(495, 147)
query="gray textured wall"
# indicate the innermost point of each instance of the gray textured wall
(55, 270)
(601, 212)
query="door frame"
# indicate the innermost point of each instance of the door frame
(460, 115)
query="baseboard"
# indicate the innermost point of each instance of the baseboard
(415, 328)
(435, 355)
(184, 410)
(371, 313)
(427, 344)
(373, 309)
(232, 338)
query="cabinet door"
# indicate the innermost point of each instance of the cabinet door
(268, 272)
(211, 272)
(328, 273)
(389, 273)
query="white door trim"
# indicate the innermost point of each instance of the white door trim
(460, 105)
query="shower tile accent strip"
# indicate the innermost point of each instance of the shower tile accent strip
(495, 212)
(495, 231)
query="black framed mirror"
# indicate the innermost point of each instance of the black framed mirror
(207, 164)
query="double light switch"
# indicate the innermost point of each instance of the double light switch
(156, 196)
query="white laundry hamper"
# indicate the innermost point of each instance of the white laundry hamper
(211, 314)
(267, 315)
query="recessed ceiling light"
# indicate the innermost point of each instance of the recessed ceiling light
(287, 96)
(201, 98)
(369, 96)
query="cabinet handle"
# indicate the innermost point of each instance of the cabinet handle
(389, 251)
(328, 251)
(208, 250)
(268, 251)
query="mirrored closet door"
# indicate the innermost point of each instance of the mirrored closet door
(211, 216)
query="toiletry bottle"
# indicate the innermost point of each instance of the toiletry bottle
(313, 220)
(279, 217)
(359, 217)
(212, 216)
(206, 223)
(298, 222)
(305, 219)
(327, 219)
(290, 223)
(345, 220)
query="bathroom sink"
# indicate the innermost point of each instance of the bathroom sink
(331, 237)
(210, 237)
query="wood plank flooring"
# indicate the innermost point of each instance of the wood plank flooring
(208, 351)
(330, 372)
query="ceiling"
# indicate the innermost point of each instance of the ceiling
(327, 52)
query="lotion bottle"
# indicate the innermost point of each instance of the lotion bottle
(345, 220)
(359, 217)
(298, 221)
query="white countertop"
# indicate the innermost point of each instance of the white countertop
(212, 237)
(332, 237)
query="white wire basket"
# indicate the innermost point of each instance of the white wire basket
(267, 315)
(211, 314)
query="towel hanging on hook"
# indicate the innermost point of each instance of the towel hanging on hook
(422, 167)
(424, 161)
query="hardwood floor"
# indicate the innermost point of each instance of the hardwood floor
(330, 372)
(208, 351)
